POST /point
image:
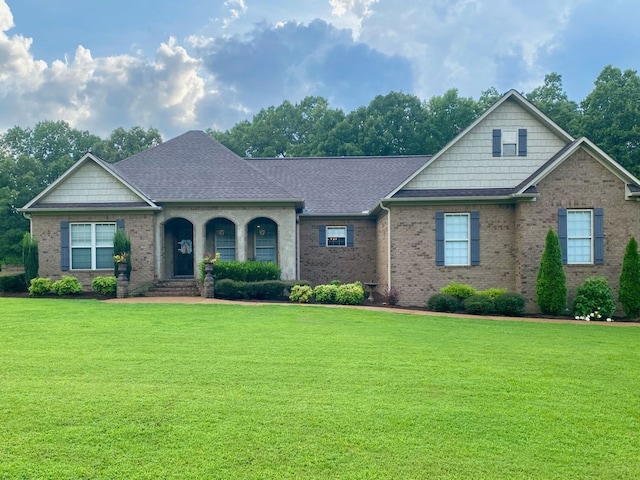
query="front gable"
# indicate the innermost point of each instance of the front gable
(89, 183)
(498, 152)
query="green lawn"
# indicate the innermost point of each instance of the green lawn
(107, 390)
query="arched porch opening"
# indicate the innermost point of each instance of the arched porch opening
(262, 240)
(221, 238)
(178, 244)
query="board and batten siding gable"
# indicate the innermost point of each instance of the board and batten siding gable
(469, 163)
(90, 184)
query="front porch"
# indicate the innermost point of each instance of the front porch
(187, 235)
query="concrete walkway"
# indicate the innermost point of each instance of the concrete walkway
(204, 301)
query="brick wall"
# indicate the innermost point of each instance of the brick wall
(414, 272)
(347, 264)
(139, 227)
(579, 182)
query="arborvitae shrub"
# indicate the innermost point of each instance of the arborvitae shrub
(478, 305)
(29, 258)
(443, 302)
(121, 244)
(551, 287)
(510, 304)
(629, 293)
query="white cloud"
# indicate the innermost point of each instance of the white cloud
(468, 44)
(98, 94)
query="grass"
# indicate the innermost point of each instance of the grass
(107, 390)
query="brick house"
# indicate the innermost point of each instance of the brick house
(477, 212)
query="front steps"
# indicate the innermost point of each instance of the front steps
(176, 287)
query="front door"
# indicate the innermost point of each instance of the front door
(183, 250)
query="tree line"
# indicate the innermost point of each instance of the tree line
(402, 124)
(393, 124)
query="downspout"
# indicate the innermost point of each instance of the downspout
(28, 217)
(388, 210)
(298, 246)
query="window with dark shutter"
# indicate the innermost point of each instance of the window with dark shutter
(475, 238)
(440, 239)
(64, 246)
(497, 142)
(522, 142)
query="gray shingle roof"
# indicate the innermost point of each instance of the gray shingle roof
(340, 185)
(196, 167)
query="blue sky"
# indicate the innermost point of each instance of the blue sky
(196, 64)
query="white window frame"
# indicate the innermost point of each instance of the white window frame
(93, 244)
(448, 260)
(573, 237)
(509, 137)
(336, 236)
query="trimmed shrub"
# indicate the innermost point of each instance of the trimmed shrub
(510, 304)
(67, 285)
(350, 294)
(459, 290)
(325, 293)
(492, 293)
(478, 305)
(234, 290)
(629, 293)
(443, 302)
(266, 290)
(551, 286)
(40, 286)
(249, 271)
(594, 300)
(12, 283)
(391, 296)
(29, 258)
(229, 289)
(301, 293)
(104, 286)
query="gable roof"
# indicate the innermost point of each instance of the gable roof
(510, 96)
(340, 185)
(195, 167)
(38, 201)
(633, 183)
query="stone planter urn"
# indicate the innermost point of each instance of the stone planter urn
(207, 291)
(122, 270)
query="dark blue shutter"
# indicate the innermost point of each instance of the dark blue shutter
(562, 233)
(598, 230)
(475, 238)
(522, 142)
(439, 239)
(349, 235)
(64, 246)
(120, 224)
(322, 235)
(497, 142)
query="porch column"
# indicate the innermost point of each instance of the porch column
(199, 243)
(241, 242)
